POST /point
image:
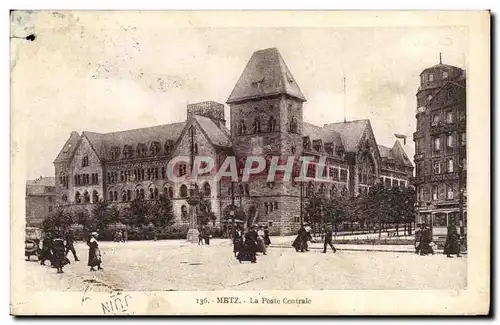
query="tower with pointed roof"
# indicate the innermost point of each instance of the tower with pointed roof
(266, 115)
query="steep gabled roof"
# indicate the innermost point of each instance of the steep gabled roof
(216, 135)
(350, 132)
(69, 148)
(315, 132)
(396, 153)
(103, 142)
(265, 74)
(460, 83)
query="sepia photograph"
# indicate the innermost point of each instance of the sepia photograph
(239, 163)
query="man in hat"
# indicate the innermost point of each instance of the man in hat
(328, 239)
(46, 252)
(70, 241)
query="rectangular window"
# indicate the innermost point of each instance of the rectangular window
(449, 192)
(461, 115)
(463, 139)
(435, 120)
(449, 141)
(437, 144)
(449, 117)
(50, 209)
(445, 74)
(449, 165)
(436, 167)
(434, 192)
(343, 175)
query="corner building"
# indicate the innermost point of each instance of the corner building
(441, 148)
(266, 112)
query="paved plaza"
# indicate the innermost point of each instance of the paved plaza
(178, 265)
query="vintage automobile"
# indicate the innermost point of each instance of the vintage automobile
(32, 242)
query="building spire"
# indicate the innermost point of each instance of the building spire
(440, 58)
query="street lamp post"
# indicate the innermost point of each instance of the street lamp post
(231, 213)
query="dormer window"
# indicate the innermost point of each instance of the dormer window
(431, 77)
(141, 150)
(242, 128)
(115, 153)
(293, 125)
(445, 74)
(168, 147)
(306, 143)
(127, 151)
(85, 161)
(155, 148)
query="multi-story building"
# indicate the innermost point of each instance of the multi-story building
(440, 148)
(266, 114)
(40, 200)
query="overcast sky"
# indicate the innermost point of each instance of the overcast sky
(106, 72)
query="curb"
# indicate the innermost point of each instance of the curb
(365, 249)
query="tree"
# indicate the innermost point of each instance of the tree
(58, 220)
(101, 214)
(138, 212)
(161, 213)
(205, 214)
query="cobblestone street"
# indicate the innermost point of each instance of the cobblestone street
(178, 265)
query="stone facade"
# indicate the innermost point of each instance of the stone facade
(440, 148)
(40, 200)
(266, 115)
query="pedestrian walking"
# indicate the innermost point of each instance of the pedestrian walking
(418, 238)
(425, 247)
(328, 239)
(95, 258)
(200, 236)
(260, 240)
(250, 247)
(206, 236)
(70, 245)
(300, 242)
(59, 254)
(452, 244)
(46, 252)
(267, 239)
(237, 241)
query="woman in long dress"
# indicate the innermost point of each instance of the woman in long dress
(452, 244)
(59, 254)
(237, 241)
(267, 239)
(94, 253)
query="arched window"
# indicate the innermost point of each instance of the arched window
(183, 191)
(129, 196)
(86, 197)
(137, 194)
(195, 149)
(142, 193)
(184, 212)
(206, 190)
(272, 124)
(167, 147)
(256, 125)
(85, 161)
(64, 198)
(156, 194)
(293, 124)
(242, 128)
(151, 193)
(78, 199)
(170, 192)
(115, 194)
(247, 189)
(110, 197)
(266, 207)
(271, 207)
(95, 196)
(124, 196)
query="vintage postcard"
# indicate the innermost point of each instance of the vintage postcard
(250, 163)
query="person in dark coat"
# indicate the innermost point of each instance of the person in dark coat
(70, 245)
(250, 247)
(46, 252)
(59, 254)
(237, 241)
(200, 236)
(267, 239)
(300, 242)
(452, 244)
(94, 253)
(328, 239)
(418, 238)
(206, 236)
(425, 247)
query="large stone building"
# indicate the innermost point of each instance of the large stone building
(266, 115)
(40, 200)
(440, 148)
